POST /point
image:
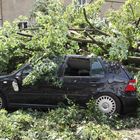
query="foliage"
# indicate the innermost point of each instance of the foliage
(91, 131)
(66, 123)
(55, 34)
(124, 23)
(138, 80)
(46, 43)
(13, 125)
(58, 31)
(8, 45)
(41, 71)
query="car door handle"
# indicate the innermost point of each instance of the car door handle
(94, 85)
(92, 82)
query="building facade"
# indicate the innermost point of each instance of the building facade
(11, 9)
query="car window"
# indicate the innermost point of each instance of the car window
(96, 68)
(77, 67)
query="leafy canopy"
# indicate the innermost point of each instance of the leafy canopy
(61, 30)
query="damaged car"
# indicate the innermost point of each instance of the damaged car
(83, 78)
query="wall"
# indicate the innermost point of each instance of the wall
(1, 13)
(11, 9)
(111, 4)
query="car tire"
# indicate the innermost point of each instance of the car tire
(108, 104)
(2, 102)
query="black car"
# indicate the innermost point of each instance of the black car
(83, 78)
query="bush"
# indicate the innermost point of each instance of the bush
(13, 125)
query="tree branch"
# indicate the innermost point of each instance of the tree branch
(26, 35)
(134, 60)
(91, 40)
(74, 32)
(134, 69)
(94, 28)
(80, 29)
(134, 50)
(100, 44)
(132, 10)
(137, 23)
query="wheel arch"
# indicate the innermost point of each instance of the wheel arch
(4, 98)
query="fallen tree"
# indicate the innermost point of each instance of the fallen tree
(73, 29)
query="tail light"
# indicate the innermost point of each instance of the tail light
(131, 86)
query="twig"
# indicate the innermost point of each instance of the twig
(132, 10)
(27, 35)
(100, 44)
(74, 32)
(137, 22)
(81, 29)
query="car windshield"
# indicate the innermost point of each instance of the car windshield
(20, 67)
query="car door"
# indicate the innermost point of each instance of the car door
(76, 79)
(77, 88)
(84, 84)
(40, 93)
(24, 94)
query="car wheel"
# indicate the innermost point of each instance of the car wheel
(2, 102)
(108, 104)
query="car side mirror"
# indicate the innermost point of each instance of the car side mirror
(15, 85)
(18, 76)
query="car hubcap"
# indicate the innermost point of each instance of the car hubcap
(0, 102)
(106, 104)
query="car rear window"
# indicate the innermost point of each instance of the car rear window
(130, 75)
(116, 68)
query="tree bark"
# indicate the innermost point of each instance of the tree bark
(134, 69)
(132, 60)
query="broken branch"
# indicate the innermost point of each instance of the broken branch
(94, 28)
(100, 44)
